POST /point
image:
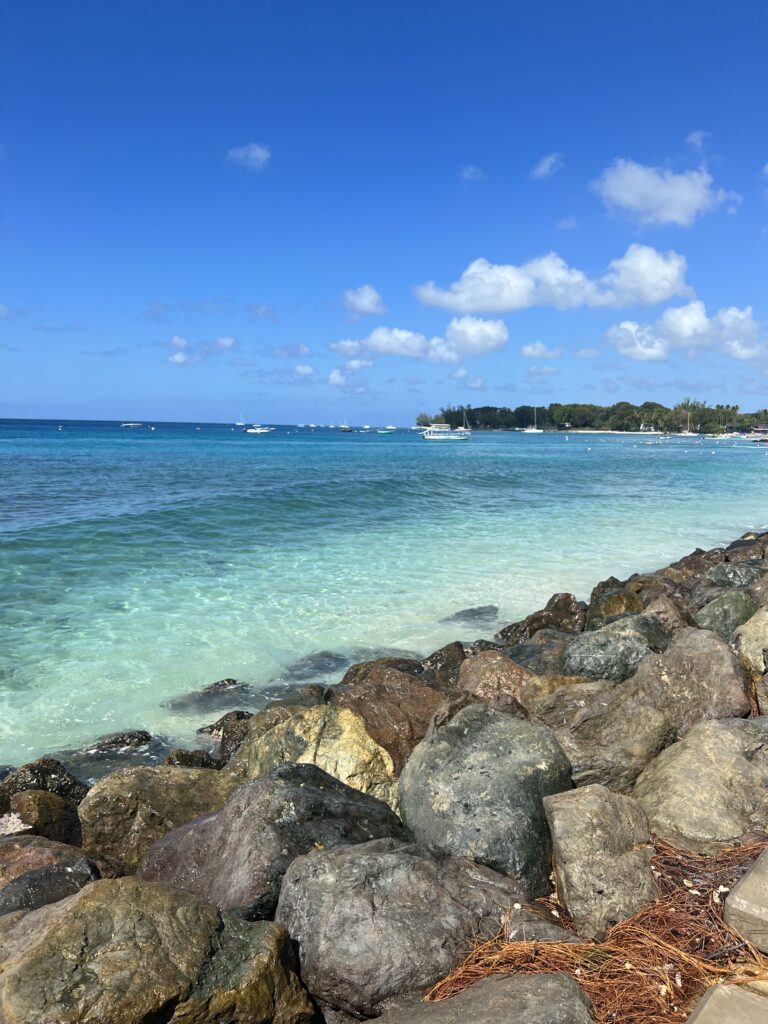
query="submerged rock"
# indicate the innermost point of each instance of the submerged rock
(129, 952)
(319, 663)
(602, 853)
(194, 759)
(710, 788)
(484, 613)
(130, 748)
(388, 918)
(562, 612)
(130, 809)
(475, 788)
(237, 857)
(225, 693)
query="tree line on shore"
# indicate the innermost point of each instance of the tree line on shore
(690, 414)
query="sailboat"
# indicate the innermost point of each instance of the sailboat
(535, 429)
(464, 428)
(689, 432)
(345, 427)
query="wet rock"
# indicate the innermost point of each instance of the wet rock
(608, 737)
(5, 771)
(49, 884)
(320, 663)
(129, 739)
(131, 748)
(496, 680)
(512, 999)
(130, 809)
(387, 918)
(227, 733)
(236, 858)
(610, 604)
(602, 856)
(45, 773)
(734, 575)
(475, 788)
(360, 671)
(443, 666)
(225, 693)
(726, 613)
(562, 612)
(751, 643)
(194, 759)
(20, 855)
(695, 564)
(395, 707)
(705, 791)
(335, 739)
(482, 614)
(48, 815)
(616, 650)
(696, 678)
(129, 952)
(544, 653)
(745, 550)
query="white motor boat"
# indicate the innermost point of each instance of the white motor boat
(258, 429)
(443, 432)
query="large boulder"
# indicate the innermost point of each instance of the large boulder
(731, 574)
(21, 855)
(48, 815)
(610, 604)
(443, 665)
(751, 643)
(130, 809)
(509, 999)
(236, 858)
(727, 612)
(562, 612)
(45, 773)
(696, 678)
(126, 952)
(335, 739)
(395, 707)
(388, 918)
(695, 564)
(671, 613)
(614, 651)
(475, 788)
(705, 791)
(746, 549)
(608, 733)
(602, 856)
(543, 653)
(360, 671)
(495, 679)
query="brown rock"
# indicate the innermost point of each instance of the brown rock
(228, 732)
(443, 666)
(695, 564)
(194, 759)
(45, 773)
(669, 612)
(494, 679)
(745, 550)
(611, 603)
(360, 671)
(562, 612)
(48, 815)
(20, 854)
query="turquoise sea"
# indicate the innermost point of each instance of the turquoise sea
(139, 564)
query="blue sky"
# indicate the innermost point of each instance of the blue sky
(314, 211)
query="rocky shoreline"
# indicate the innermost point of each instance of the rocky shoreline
(332, 857)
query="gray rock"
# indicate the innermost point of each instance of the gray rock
(671, 613)
(705, 791)
(48, 884)
(616, 650)
(602, 856)
(479, 615)
(730, 1004)
(696, 678)
(544, 653)
(225, 693)
(751, 643)
(726, 613)
(475, 788)
(746, 908)
(516, 999)
(236, 858)
(387, 918)
(732, 575)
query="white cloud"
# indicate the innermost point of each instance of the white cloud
(655, 195)
(471, 173)
(227, 342)
(697, 139)
(253, 156)
(181, 358)
(358, 364)
(731, 330)
(587, 353)
(345, 348)
(460, 374)
(476, 384)
(547, 166)
(337, 378)
(392, 341)
(642, 275)
(302, 370)
(538, 350)
(464, 336)
(178, 341)
(567, 224)
(364, 301)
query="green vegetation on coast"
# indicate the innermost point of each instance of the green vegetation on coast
(704, 418)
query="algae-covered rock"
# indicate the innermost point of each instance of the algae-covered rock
(707, 790)
(751, 643)
(335, 739)
(726, 613)
(562, 612)
(731, 574)
(608, 605)
(130, 809)
(127, 952)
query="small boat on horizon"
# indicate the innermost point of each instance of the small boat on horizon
(131, 424)
(258, 429)
(535, 429)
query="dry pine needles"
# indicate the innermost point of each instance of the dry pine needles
(654, 966)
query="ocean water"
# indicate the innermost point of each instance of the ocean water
(137, 565)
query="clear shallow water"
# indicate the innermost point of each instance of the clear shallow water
(136, 565)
